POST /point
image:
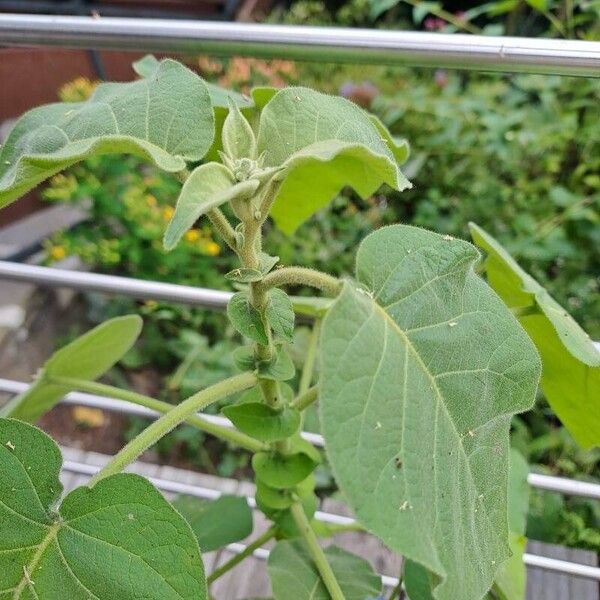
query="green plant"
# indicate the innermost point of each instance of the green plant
(421, 366)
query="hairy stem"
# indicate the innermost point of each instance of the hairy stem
(397, 591)
(303, 401)
(223, 227)
(238, 558)
(318, 556)
(236, 437)
(311, 357)
(302, 276)
(170, 420)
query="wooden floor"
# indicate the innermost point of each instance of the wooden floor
(249, 580)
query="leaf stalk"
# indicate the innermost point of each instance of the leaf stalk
(170, 420)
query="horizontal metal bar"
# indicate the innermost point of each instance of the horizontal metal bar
(475, 52)
(111, 284)
(531, 560)
(562, 485)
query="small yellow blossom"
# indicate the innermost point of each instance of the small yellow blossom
(168, 213)
(212, 248)
(150, 200)
(193, 235)
(58, 252)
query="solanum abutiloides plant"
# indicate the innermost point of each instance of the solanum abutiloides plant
(420, 367)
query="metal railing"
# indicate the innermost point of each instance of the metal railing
(474, 52)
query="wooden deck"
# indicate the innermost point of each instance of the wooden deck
(249, 579)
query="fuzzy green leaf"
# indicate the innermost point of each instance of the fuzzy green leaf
(263, 422)
(281, 368)
(267, 262)
(245, 318)
(280, 314)
(510, 582)
(237, 135)
(216, 523)
(244, 275)
(207, 187)
(166, 118)
(293, 574)
(269, 499)
(571, 363)
(322, 138)
(400, 148)
(282, 471)
(421, 371)
(88, 357)
(418, 581)
(219, 97)
(119, 539)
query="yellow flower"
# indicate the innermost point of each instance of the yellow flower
(150, 200)
(212, 248)
(58, 252)
(193, 235)
(168, 212)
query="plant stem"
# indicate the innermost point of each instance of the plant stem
(223, 227)
(236, 437)
(303, 401)
(397, 591)
(178, 414)
(302, 276)
(311, 356)
(238, 558)
(319, 558)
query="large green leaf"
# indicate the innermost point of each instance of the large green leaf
(511, 578)
(571, 363)
(166, 118)
(421, 371)
(88, 357)
(120, 539)
(207, 187)
(293, 574)
(326, 139)
(216, 523)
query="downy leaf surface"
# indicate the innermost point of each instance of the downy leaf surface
(326, 139)
(216, 523)
(166, 118)
(510, 583)
(422, 368)
(87, 357)
(571, 362)
(207, 187)
(262, 422)
(245, 318)
(120, 539)
(293, 574)
(280, 314)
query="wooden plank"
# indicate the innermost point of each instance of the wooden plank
(544, 585)
(363, 544)
(249, 579)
